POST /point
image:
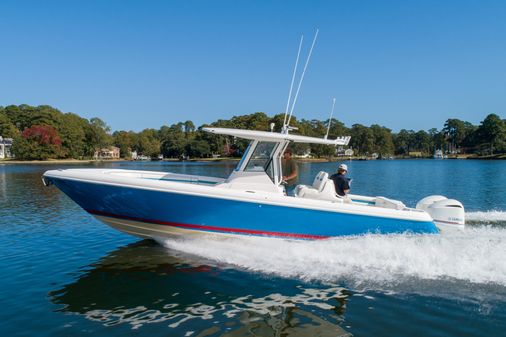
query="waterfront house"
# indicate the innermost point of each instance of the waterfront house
(111, 152)
(5, 148)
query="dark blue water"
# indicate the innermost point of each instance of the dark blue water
(63, 273)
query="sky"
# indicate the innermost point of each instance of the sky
(143, 64)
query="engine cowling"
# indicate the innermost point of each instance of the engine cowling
(443, 211)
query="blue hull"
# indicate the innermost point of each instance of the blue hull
(218, 215)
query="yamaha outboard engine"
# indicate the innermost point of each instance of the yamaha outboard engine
(445, 212)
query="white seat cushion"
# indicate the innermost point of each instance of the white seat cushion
(322, 189)
(319, 180)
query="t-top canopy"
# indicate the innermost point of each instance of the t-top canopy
(277, 137)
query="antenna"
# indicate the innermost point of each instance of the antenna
(330, 119)
(293, 79)
(302, 78)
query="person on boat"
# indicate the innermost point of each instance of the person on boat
(341, 182)
(290, 171)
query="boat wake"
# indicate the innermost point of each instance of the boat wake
(487, 217)
(472, 258)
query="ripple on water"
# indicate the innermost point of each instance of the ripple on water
(64, 273)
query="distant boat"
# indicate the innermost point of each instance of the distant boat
(438, 154)
(144, 158)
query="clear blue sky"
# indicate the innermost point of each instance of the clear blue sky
(138, 64)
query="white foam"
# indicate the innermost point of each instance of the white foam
(486, 217)
(474, 255)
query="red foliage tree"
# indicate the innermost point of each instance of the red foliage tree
(39, 142)
(43, 135)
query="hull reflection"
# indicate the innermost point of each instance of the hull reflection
(143, 284)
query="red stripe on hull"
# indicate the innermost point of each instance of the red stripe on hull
(210, 228)
(448, 222)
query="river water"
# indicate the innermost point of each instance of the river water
(63, 273)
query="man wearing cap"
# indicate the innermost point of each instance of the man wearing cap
(341, 183)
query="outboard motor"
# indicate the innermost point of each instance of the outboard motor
(445, 212)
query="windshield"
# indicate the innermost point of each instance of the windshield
(243, 156)
(261, 158)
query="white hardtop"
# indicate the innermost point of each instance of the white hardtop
(277, 137)
(260, 168)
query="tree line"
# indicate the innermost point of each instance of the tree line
(44, 132)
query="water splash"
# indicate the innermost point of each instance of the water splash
(473, 257)
(486, 217)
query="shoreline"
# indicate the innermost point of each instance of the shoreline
(302, 160)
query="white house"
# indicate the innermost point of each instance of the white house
(5, 147)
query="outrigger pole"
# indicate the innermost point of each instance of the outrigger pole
(330, 119)
(287, 123)
(293, 79)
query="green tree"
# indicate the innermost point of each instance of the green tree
(7, 129)
(383, 142)
(97, 135)
(492, 131)
(362, 139)
(402, 141)
(217, 143)
(97, 122)
(189, 129)
(173, 141)
(437, 139)
(45, 115)
(198, 149)
(72, 131)
(148, 143)
(422, 142)
(457, 131)
(125, 141)
(19, 115)
(469, 140)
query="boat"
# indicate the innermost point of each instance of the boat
(438, 154)
(251, 201)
